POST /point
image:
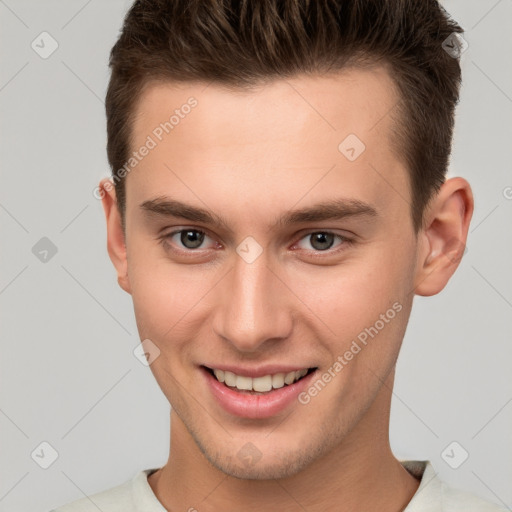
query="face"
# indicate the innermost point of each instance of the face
(303, 256)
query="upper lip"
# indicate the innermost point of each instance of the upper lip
(259, 371)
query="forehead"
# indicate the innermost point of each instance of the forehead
(357, 99)
(284, 136)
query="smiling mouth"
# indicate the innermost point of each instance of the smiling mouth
(258, 385)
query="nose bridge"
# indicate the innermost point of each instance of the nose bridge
(253, 309)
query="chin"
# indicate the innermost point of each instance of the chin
(249, 463)
(260, 471)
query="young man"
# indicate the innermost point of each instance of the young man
(278, 198)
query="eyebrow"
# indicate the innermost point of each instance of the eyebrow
(336, 209)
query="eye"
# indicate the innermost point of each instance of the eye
(185, 239)
(322, 241)
(190, 240)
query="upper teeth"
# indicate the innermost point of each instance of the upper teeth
(261, 384)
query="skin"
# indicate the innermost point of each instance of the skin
(251, 156)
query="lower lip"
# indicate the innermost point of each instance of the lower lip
(246, 405)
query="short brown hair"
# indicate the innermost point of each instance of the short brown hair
(240, 43)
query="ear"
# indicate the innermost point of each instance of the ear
(116, 245)
(442, 241)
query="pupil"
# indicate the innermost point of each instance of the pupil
(192, 239)
(321, 239)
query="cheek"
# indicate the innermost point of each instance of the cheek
(168, 298)
(364, 302)
(354, 293)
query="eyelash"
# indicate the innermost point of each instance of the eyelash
(345, 242)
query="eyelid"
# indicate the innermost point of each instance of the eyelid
(166, 236)
(345, 240)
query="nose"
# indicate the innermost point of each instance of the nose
(253, 309)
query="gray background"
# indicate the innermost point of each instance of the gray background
(68, 374)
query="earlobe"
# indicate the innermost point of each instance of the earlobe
(443, 240)
(116, 245)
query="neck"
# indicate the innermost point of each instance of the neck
(360, 473)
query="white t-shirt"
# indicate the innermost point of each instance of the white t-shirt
(432, 495)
